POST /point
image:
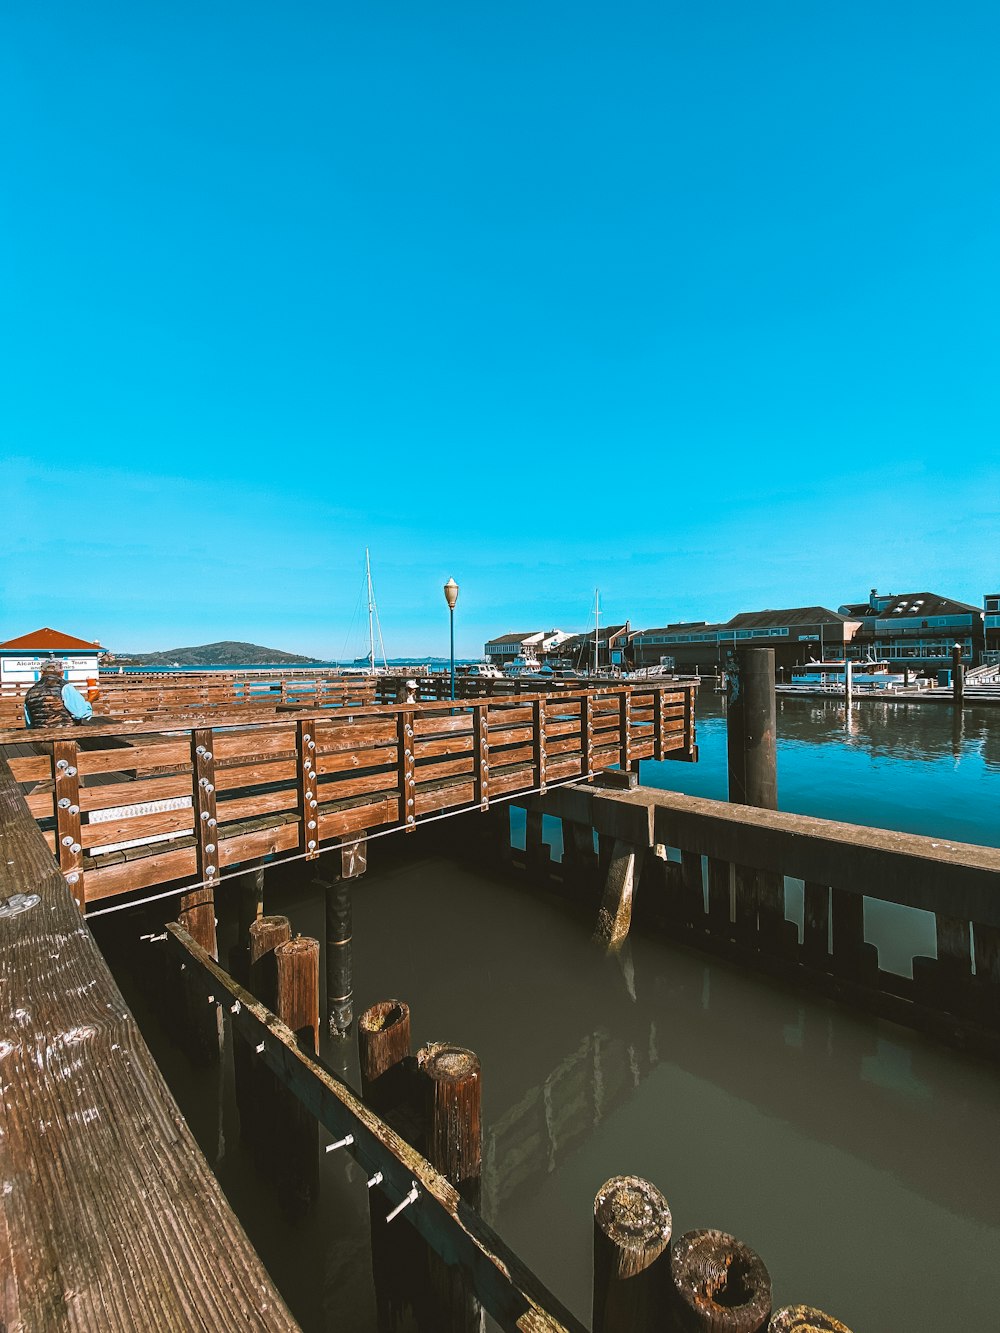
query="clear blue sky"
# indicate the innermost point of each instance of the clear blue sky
(696, 303)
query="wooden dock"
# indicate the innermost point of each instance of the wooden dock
(124, 808)
(110, 1217)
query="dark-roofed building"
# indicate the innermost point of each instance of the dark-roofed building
(797, 634)
(577, 653)
(917, 629)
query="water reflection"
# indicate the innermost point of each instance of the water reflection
(920, 768)
(859, 1159)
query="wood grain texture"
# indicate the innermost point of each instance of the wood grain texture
(110, 1218)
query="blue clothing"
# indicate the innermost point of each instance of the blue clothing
(77, 704)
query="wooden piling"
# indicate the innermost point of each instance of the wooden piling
(632, 1229)
(753, 779)
(248, 887)
(452, 1112)
(454, 1146)
(203, 1025)
(804, 1319)
(957, 675)
(719, 1285)
(256, 1092)
(614, 917)
(399, 1254)
(750, 729)
(383, 1044)
(296, 1146)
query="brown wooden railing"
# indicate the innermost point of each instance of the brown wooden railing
(157, 696)
(124, 809)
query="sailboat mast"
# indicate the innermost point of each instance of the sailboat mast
(597, 623)
(371, 611)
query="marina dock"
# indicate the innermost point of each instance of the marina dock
(198, 806)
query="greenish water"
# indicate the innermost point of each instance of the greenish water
(859, 1159)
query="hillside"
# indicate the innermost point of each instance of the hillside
(227, 653)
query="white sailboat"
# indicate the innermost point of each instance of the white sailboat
(369, 660)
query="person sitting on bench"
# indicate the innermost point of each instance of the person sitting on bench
(51, 702)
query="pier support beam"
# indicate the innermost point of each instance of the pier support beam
(339, 936)
(753, 780)
(614, 916)
(750, 729)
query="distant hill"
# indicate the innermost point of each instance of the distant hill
(228, 653)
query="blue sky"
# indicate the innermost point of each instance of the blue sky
(697, 304)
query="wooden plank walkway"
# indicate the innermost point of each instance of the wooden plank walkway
(216, 791)
(110, 1218)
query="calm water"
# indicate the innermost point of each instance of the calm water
(859, 1159)
(919, 768)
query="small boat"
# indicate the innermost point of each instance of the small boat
(480, 671)
(524, 664)
(830, 677)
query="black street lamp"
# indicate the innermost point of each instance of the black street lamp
(451, 597)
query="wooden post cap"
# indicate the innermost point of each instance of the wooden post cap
(384, 1015)
(635, 1218)
(447, 1064)
(804, 1319)
(267, 932)
(720, 1284)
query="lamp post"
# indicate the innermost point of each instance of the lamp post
(451, 597)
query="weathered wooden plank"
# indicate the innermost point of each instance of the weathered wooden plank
(433, 725)
(429, 749)
(35, 768)
(135, 793)
(110, 1218)
(343, 761)
(337, 823)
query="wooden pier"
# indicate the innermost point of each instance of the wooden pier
(124, 808)
(110, 1217)
(103, 1168)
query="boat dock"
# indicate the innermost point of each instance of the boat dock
(110, 1214)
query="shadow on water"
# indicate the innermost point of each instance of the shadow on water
(857, 1158)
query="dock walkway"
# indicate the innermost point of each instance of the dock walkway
(111, 1218)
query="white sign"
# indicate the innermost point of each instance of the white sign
(25, 670)
(115, 812)
(808, 638)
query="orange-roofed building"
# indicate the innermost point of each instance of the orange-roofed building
(21, 658)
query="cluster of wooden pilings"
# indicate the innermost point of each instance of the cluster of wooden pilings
(418, 1119)
(703, 1281)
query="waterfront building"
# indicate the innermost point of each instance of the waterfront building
(535, 643)
(916, 630)
(991, 628)
(613, 649)
(797, 634)
(21, 658)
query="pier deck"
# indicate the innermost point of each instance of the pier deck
(110, 1217)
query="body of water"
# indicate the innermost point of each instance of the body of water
(858, 1158)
